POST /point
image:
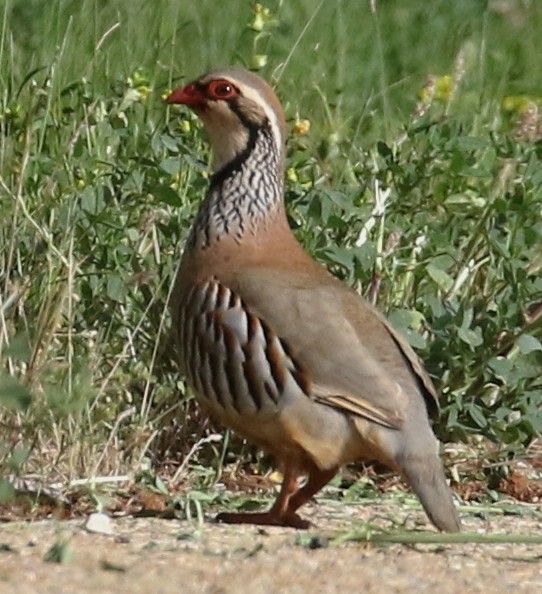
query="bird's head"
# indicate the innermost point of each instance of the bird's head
(233, 104)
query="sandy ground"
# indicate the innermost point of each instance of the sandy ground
(160, 556)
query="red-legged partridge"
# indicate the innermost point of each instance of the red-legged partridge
(271, 343)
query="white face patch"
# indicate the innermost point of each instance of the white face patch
(254, 95)
(227, 135)
(227, 132)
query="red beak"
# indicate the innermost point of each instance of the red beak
(191, 95)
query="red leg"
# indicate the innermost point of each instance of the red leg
(280, 514)
(317, 479)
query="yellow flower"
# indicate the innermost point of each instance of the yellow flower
(302, 127)
(144, 91)
(444, 88)
(258, 61)
(426, 95)
(262, 10)
(11, 113)
(261, 15)
(257, 24)
(520, 103)
(291, 175)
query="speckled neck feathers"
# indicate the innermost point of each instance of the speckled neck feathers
(244, 193)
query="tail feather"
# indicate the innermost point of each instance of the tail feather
(426, 477)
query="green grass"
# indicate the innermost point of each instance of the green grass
(424, 195)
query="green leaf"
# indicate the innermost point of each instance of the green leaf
(342, 256)
(167, 195)
(7, 491)
(383, 149)
(161, 486)
(171, 165)
(406, 318)
(471, 337)
(471, 143)
(502, 367)
(477, 415)
(465, 200)
(18, 457)
(415, 340)
(527, 344)
(116, 287)
(476, 172)
(61, 552)
(63, 402)
(13, 394)
(408, 322)
(170, 143)
(19, 349)
(536, 180)
(443, 279)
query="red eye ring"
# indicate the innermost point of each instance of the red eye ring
(221, 90)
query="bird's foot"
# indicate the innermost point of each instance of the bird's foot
(269, 518)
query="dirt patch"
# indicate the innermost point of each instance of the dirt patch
(162, 556)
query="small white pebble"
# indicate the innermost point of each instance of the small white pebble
(99, 524)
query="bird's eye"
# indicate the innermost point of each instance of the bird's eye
(221, 89)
